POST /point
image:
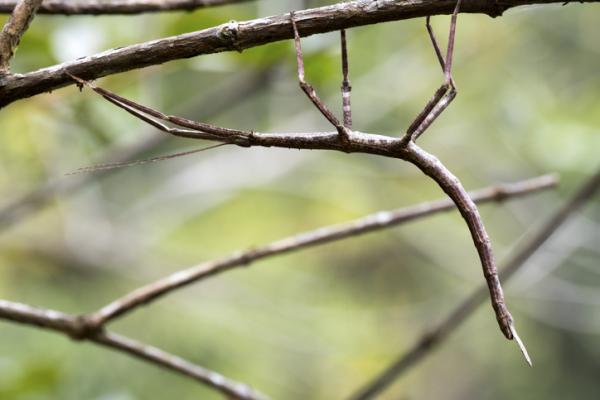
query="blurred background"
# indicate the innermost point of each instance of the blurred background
(318, 323)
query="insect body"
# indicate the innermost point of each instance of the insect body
(347, 140)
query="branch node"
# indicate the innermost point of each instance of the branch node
(84, 327)
(251, 140)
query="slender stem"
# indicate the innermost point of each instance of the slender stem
(43, 318)
(74, 327)
(13, 30)
(370, 223)
(79, 327)
(434, 337)
(154, 355)
(98, 7)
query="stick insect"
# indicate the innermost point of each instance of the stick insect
(345, 139)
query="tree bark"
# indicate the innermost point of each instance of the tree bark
(239, 36)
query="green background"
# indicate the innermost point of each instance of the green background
(318, 323)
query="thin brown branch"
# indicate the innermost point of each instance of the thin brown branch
(13, 30)
(73, 326)
(212, 104)
(238, 36)
(436, 336)
(91, 327)
(370, 223)
(233, 390)
(47, 319)
(98, 7)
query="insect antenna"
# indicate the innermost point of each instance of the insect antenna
(115, 165)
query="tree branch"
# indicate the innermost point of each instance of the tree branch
(91, 327)
(370, 223)
(72, 326)
(13, 30)
(238, 36)
(436, 336)
(97, 7)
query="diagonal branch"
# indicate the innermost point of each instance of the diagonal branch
(13, 30)
(238, 36)
(436, 336)
(96, 7)
(72, 326)
(370, 223)
(90, 327)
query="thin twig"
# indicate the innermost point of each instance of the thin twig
(436, 336)
(236, 37)
(72, 326)
(233, 390)
(43, 318)
(370, 223)
(91, 328)
(13, 30)
(98, 7)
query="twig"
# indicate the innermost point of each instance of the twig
(13, 30)
(370, 223)
(91, 327)
(233, 390)
(238, 36)
(72, 326)
(97, 7)
(434, 337)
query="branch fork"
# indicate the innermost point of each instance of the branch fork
(92, 326)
